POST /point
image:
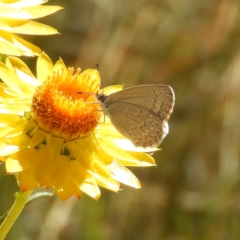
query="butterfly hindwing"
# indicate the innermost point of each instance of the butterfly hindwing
(137, 124)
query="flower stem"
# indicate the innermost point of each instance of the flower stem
(20, 202)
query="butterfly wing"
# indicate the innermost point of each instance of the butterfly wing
(157, 98)
(137, 124)
(141, 113)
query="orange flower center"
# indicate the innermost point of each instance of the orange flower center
(65, 104)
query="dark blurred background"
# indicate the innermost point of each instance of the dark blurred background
(194, 192)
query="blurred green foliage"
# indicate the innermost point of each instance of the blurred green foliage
(194, 192)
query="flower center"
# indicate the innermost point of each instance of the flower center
(65, 104)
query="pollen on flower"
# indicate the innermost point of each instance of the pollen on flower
(65, 104)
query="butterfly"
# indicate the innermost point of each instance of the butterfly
(140, 113)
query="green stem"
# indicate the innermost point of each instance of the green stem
(20, 202)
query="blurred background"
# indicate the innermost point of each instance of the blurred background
(194, 192)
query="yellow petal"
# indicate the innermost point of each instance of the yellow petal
(80, 153)
(41, 165)
(84, 181)
(20, 127)
(44, 67)
(8, 48)
(6, 149)
(11, 80)
(123, 175)
(12, 127)
(26, 27)
(13, 165)
(59, 174)
(124, 157)
(105, 157)
(107, 182)
(54, 146)
(37, 138)
(27, 181)
(112, 89)
(21, 141)
(8, 119)
(90, 187)
(78, 193)
(24, 73)
(101, 172)
(42, 11)
(28, 12)
(13, 145)
(60, 66)
(20, 3)
(25, 47)
(93, 76)
(120, 154)
(9, 96)
(105, 126)
(18, 109)
(143, 158)
(21, 160)
(69, 190)
(45, 182)
(127, 145)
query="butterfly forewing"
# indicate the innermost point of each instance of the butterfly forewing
(157, 98)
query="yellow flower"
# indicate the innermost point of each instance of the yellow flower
(53, 134)
(15, 17)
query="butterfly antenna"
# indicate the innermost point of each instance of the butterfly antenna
(101, 83)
